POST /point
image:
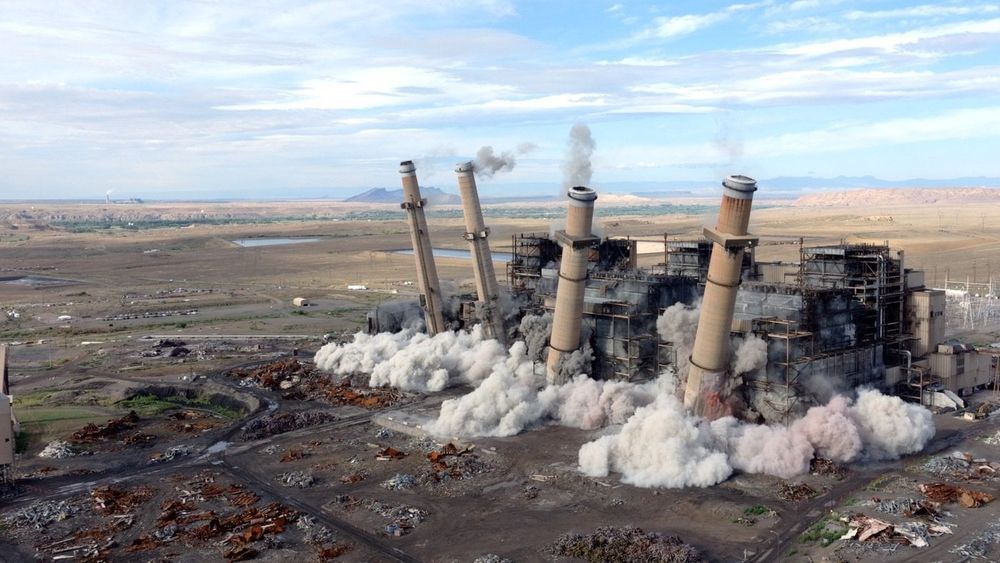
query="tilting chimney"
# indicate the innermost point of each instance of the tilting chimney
(576, 241)
(427, 277)
(709, 390)
(476, 232)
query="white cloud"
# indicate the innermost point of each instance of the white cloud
(923, 11)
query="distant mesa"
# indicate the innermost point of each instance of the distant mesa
(899, 196)
(381, 195)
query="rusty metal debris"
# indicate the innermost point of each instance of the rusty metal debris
(112, 500)
(826, 467)
(299, 381)
(390, 453)
(353, 478)
(292, 454)
(92, 432)
(944, 493)
(796, 492)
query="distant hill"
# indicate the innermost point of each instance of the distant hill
(899, 196)
(381, 195)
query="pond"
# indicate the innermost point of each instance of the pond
(457, 253)
(251, 242)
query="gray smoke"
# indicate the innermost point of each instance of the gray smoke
(577, 169)
(751, 355)
(535, 330)
(488, 162)
(678, 325)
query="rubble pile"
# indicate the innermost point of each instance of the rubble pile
(58, 449)
(908, 507)
(962, 465)
(628, 544)
(993, 440)
(863, 528)
(93, 433)
(171, 454)
(112, 500)
(491, 558)
(981, 546)
(280, 423)
(402, 518)
(299, 479)
(400, 481)
(452, 463)
(796, 492)
(299, 381)
(40, 514)
(280, 375)
(944, 493)
(827, 468)
(192, 421)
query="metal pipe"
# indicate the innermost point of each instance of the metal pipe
(427, 277)
(709, 392)
(576, 241)
(476, 232)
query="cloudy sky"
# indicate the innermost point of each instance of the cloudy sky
(269, 98)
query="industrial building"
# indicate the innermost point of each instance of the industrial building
(8, 424)
(842, 316)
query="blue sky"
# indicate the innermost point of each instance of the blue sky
(265, 98)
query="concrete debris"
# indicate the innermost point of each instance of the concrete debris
(92, 432)
(628, 544)
(384, 433)
(271, 450)
(795, 492)
(961, 465)
(491, 558)
(280, 423)
(530, 492)
(906, 507)
(58, 449)
(299, 479)
(993, 440)
(172, 454)
(981, 546)
(39, 515)
(313, 532)
(400, 481)
(402, 518)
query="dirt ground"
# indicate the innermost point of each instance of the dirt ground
(156, 320)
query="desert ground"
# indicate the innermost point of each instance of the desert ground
(239, 449)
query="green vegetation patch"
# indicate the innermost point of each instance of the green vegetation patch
(824, 532)
(151, 405)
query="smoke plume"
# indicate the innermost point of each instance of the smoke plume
(662, 445)
(488, 163)
(678, 325)
(512, 400)
(577, 169)
(412, 361)
(750, 356)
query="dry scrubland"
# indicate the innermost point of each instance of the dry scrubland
(317, 451)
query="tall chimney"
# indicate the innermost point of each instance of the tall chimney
(476, 232)
(427, 277)
(576, 241)
(709, 391)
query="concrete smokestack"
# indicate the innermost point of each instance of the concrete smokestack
(709, 392)
(576, 241)
(427, 276)
(476, 232)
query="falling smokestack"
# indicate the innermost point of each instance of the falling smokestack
(709, 391)
(576, 241)
(427, 277)
(476, 232)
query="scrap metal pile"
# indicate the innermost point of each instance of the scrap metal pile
(93, 433)
(628, 544)
(299, 381)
